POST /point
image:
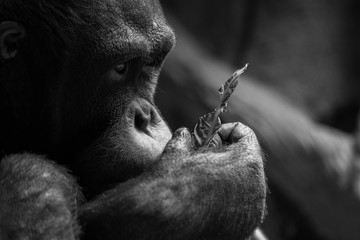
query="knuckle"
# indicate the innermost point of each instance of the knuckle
(244, 134)
(245, 130)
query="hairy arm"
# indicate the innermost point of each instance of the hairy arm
(38, 199)
(203, 194)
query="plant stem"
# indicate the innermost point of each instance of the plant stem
(212, 126)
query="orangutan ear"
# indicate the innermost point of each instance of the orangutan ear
(10, 33)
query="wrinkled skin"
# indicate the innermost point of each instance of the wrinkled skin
(77, 86)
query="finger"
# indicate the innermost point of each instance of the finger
(235, 132)
(180, 143)
(243, 143)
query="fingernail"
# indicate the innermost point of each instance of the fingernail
(182, 132)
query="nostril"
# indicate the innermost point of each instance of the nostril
(142, 120)
(142, 116)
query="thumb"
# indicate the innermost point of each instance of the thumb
(179, 144)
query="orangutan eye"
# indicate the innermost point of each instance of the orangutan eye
(121, 68)
(118, 73)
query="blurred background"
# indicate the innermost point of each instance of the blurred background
(300, 94)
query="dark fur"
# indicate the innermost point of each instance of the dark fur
(60, 96)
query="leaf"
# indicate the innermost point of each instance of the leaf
(202, 128)
(228, 88)
(209, 124)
